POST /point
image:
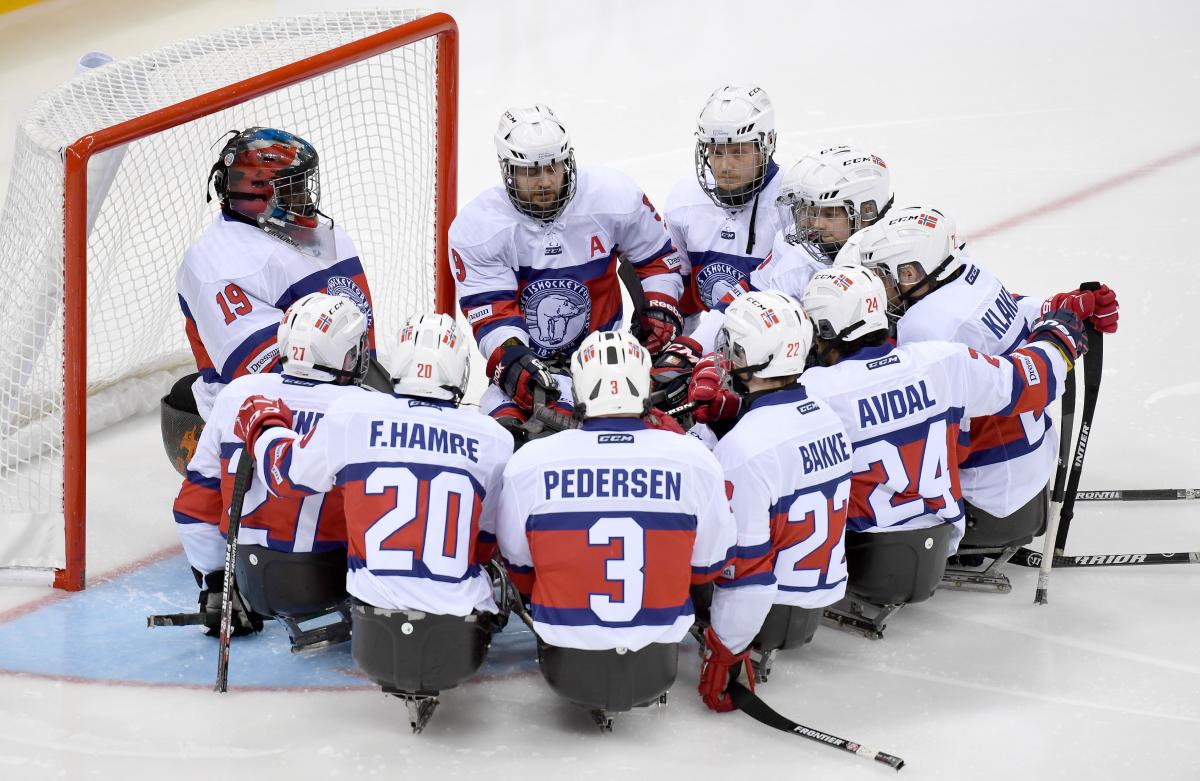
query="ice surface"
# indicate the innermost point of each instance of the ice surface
(985, 110)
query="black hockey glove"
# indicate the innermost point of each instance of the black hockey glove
(517, 370)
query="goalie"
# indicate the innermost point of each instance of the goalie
(269, 246)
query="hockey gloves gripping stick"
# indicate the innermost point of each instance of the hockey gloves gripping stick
(661, 322)
(517, 370)
(257, 414)
(718, 668)
(1097, 306)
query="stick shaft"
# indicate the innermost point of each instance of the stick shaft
(241, 483)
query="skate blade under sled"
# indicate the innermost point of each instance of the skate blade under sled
(888, 570)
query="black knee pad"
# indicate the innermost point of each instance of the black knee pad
(414, 652)
(294, 585)
(984, 530)
(181, 423)
(894, 567)
(608, 680)
(788, 626)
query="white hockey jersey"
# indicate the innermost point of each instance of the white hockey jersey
(1009, 459)
(234, 285)
(606, 526)
(296, 525)
(551, 284)
(787, 268)
(903, 406)
(420, 481)
(788, 463)
(720, 246)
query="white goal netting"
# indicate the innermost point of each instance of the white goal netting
(374, 124)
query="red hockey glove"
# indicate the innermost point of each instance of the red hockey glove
(707, 390)
(517, 370)
(1062, 329)
(656, 418)
(257, 414)
(1098, 307)
(660, 323)
(719, 666)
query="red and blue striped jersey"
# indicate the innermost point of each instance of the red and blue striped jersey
(903, 406)
(1007, 459)
(549, 285)
(788, 464)
(420, 479)
(234, 285)
(606, 527)
(290, 524)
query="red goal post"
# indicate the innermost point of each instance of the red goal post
(300, 74)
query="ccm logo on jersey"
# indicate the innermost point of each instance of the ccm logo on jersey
(885, 361)
(614, 439)
(1031, 373)
(806, 407)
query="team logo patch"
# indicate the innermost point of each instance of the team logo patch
(348, 288)
(557, 313)
(715, 280)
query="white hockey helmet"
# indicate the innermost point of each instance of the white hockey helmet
(765, 334)
(841, 183)
(914, 247)
(735, 115)
(432, 358)
(324, 338)
(533, 141)
(846, 302)
(610, 375)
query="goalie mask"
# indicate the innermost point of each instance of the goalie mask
(831, 195)
(537, 161)
(914, 251)
(735, 138)
(271, 178)
(765, 334)
(324, 338)
(432, 359)
(610, 375)
(846, 303)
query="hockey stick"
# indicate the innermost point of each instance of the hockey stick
(1028, 558)
(241, 483)
(749, 703)
(1093, 368)
(1060, 481)
(1138, 495)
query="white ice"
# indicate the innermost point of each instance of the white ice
(987, 110)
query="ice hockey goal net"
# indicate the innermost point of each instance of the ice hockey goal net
(108, 189)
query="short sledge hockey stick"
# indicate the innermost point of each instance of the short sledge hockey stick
(749, 703)
(241, 484)
(1138, 495)
(1028, 558)
(1093, 368)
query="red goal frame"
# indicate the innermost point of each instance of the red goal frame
(73, 576)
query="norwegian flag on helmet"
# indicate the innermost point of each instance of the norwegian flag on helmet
(323, 323)
(770, 318)
(927, 220)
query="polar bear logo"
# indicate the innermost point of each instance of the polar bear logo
(553, 314)
(557, 312)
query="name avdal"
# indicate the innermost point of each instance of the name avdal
(885, 407)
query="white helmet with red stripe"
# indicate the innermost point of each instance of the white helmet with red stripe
(610, 375)
(324, 338)
(432, 358)
(765, 334)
